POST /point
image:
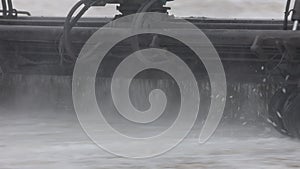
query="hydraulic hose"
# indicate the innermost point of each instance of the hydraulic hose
(138, 23)
(138, 20)
(70, 23)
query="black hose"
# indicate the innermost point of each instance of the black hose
(16, 12)
(146, 6)
(70, 23)
(4, 7)
(138, 20)
(286, 14)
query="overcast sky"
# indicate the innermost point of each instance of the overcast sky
(182, 8)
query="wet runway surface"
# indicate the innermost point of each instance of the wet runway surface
(33, 140)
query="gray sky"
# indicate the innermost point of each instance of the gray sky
(182, 8)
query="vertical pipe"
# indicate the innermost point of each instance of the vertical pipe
(286, 14)
(10, 8)
(296, 22)
(296, 14)
(4, 7)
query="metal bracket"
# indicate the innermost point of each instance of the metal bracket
(8, 10)
(285, 45)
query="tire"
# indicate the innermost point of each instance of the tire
(291, 116)
(276, 106)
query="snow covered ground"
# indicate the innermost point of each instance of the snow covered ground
(45, 139)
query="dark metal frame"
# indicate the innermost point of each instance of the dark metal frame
(8, 10)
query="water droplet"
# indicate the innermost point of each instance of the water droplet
(223, 99)
(279, 114)
(287, 77)
(284, 90)
(282, 130)
(270, 121)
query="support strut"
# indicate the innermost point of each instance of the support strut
(296, 15)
